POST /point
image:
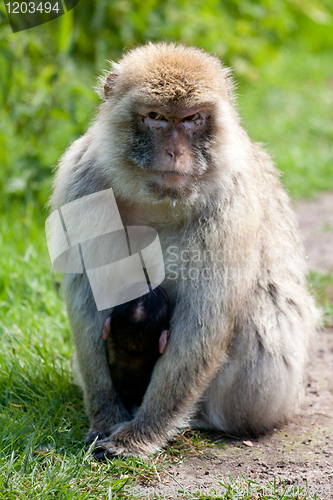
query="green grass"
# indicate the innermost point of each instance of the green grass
(42, 421)
(288, 107)
(322, 286)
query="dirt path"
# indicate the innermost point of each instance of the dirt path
(301, 453)
(316, 223)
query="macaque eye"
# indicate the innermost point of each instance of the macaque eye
(156, 116)
(154, 120)
(191, 118)
(192, 122)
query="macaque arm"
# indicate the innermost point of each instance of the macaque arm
(178, 380)
(103, 405)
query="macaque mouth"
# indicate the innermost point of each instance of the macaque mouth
(172, 173)
(172, 190)
(173, 178)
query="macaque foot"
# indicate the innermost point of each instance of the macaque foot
(94, 435)
(122, 443)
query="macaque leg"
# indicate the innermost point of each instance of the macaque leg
(261, 383)
(253, 393)
(103, 405)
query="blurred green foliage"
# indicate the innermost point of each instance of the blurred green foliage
(47, 73)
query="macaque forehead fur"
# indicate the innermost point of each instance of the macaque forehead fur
(172, 74)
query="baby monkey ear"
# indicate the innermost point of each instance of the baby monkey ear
(109, 84)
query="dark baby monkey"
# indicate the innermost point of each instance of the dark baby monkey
(136, 334)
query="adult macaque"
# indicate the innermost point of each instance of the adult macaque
(167, 139)
(136, 333)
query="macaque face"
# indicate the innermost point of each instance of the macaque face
(172, 145)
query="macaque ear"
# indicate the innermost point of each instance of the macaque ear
(109, 84)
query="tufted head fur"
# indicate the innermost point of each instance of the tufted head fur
(170, 73)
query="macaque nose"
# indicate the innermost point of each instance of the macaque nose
(177, 153)
(174, 152)
(175, 148)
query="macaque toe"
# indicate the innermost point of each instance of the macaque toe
(93, 435)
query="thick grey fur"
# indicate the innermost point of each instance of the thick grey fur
(239, 340)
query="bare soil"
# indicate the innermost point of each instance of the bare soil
(300, 454)
(316, 224)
